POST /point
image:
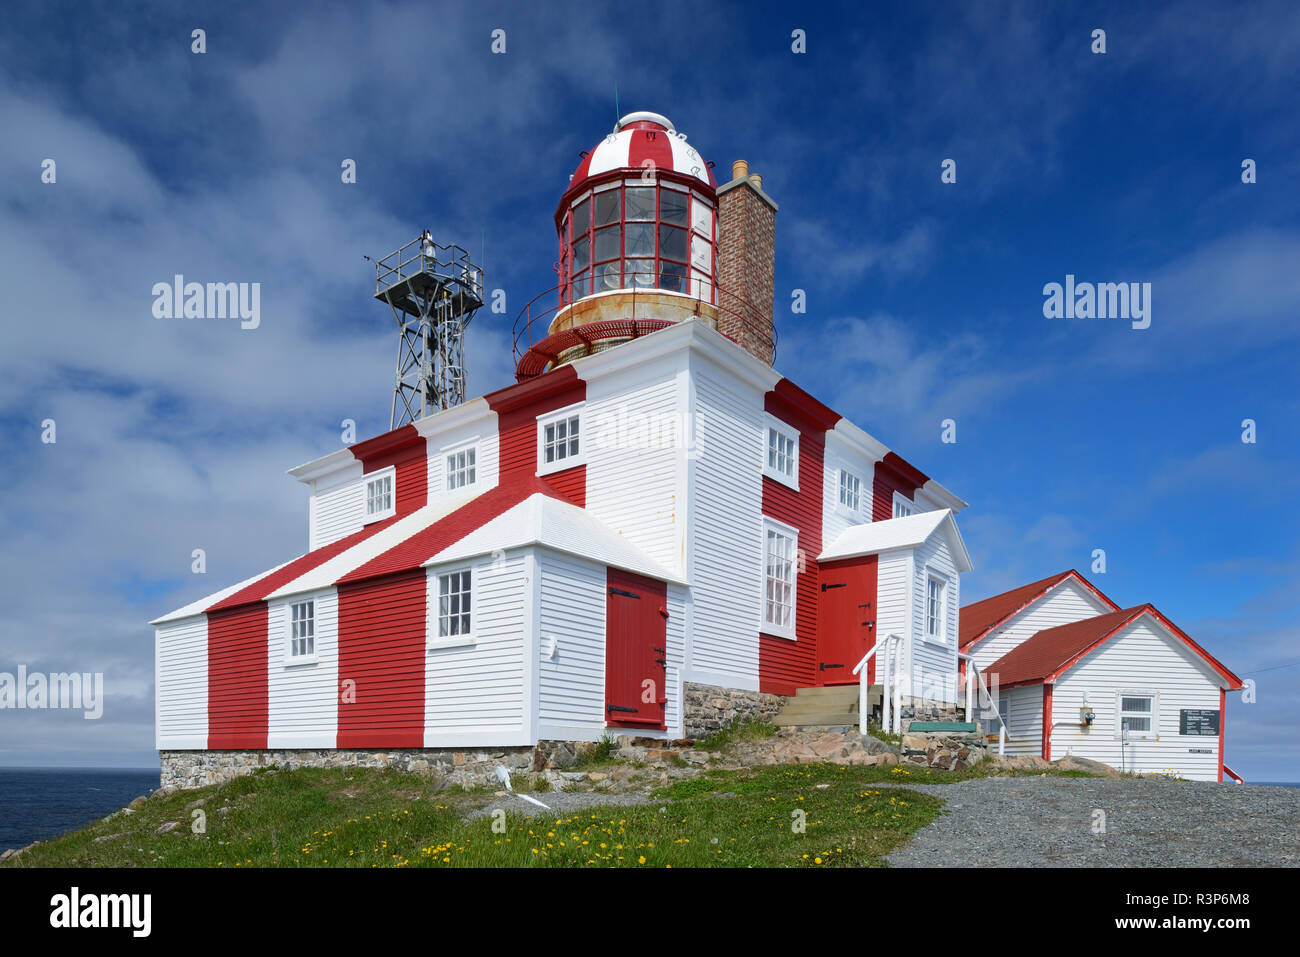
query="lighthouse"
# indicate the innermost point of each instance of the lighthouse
(646, 239)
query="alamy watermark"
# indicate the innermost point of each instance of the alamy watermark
(214, 300)
(36, 691)
(1103, 300)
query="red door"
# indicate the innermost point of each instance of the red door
(636, 645)
(847, 616)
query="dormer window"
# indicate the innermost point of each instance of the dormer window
(380, 497)
(850, 491)
(461, 469)
(559, 441)
(781, 458)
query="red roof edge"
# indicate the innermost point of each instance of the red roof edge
(904, 469)
(399, 437)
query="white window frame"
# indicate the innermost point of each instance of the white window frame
(839, 492)
(764, 625)
(772, 424)
(290, 659)
(434, 619)
(584, 440)
(945, 586)
(902, 505)
(450, 451)
(1151, 735)
(367, 516)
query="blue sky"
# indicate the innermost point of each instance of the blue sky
(924, 298)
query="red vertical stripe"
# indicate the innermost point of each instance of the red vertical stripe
(517, 408)
(381, 662)
(892, 474)
(652, 145)
(1047, 722)
(785, 665)
(237, 677)
(406, 450)
(571, 484)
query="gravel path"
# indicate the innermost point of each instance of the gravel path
(1037, 822)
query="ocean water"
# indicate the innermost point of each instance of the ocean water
(39, 803)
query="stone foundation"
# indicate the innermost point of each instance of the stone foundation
(710, 708)
(948, 750)
(447, 766)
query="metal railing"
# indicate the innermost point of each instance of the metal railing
(890, 663)
(973, 675)
(448, 263)
(533, 322)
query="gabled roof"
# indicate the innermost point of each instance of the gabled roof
(560, 526)
(525, 512)
(895, 533)
(1052, 651)
(979, 618)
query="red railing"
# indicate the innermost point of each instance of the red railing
(533, 323)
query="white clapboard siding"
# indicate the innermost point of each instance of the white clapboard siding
(633, 440)
(181, 666)
(475, 694)
(1025, 722)
(482, 435)
(1064, 603)
(934, 665)
(571, 698)
(836, 517)
(1142, 658)
(302, 698)
(893, 608)
(572, 616)
(678, 597)
(725, 528)
(335, 513)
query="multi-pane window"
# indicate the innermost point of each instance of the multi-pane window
(901, 508)
(934, 609)
(1135, 713)
(302, 629)
(850, 490)
(453, 604)
(779, 576)
(637, 235)
(560, 440)
(780, 452)
(460, 469)
(379, 495)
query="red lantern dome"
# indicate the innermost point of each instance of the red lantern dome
(640, 213)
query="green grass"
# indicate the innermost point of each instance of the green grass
(374, 818)
(741, 728)
(597, 755)
(887, 736)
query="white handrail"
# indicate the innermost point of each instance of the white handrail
(972, 670)
(887, 720)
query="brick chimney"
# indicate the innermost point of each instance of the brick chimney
(746, 262)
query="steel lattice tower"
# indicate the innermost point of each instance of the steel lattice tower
(434, 291)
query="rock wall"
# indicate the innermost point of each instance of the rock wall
(448, 766)
(710, 708)
(948, 750)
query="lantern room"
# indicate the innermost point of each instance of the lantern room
(640, 229)
(640, 213)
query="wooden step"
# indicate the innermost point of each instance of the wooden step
(815, 719)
